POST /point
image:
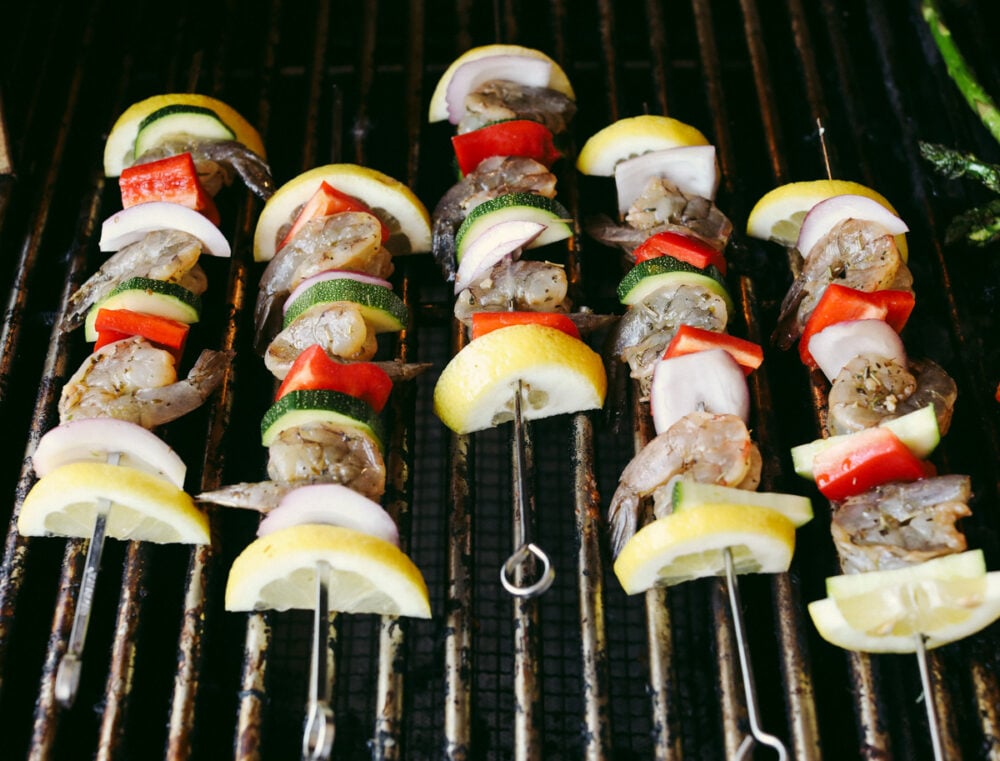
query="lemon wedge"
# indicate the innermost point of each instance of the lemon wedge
(438, 109)
(634, 136)
(389, 199)
(942, 611)
(367, 574)
(778, 215)
(121, 140)
(944, 599)
(144, 507)
(559, 374)
(689, 544)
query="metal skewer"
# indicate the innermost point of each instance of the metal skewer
(925, 682)
(317, 741)
(757, 734)
(526, 548)
(68, 672)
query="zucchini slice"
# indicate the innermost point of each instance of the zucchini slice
(528, 207)
(309, 405)
(180, 119)
(649, 276)
(382, 308)
(143, 294)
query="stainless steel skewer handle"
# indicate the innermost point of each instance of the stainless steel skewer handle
(526, 549)
(70, 667)
(317, 740)
(757, 734)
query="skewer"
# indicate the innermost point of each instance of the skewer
(526, 548)
(757, 734)
(71, 665)
(317, 741)
(920, 650)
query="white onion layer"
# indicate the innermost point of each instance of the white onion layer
(837, 344)
(710, 381)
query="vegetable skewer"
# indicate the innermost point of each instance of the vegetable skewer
(510, 105)
(898, 593)
(325, 543)
(129, 383)
(698, 400)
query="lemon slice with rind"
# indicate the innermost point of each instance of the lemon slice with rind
(368, 574)
(557, 80)
(631, 137)
(689, 544)
(778, 215)
(956, 609)
(144, 507)
(559, 374)
(118, 149)
(389, 199)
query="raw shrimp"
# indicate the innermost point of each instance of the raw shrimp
(500, 100)
(217, 161)
(663, 206)
(901, 524)
(854, 253)
(160, 255)
(338, 326)
(714, 449)
(133, 380)
(529, 286)
(872, 389)
(319, 452)
(495, 176)
(347, 241)
(324, 449)
(643, 332)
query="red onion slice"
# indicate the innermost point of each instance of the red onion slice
(710, 381)
(692, 168)
(334, 505)
(525, 70)
(836, 345)
(825, 215)
(134, 223)
(496, 242)
(333, 275)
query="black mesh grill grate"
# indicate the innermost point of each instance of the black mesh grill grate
(617, 678)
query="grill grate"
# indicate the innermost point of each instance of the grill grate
(582, 672)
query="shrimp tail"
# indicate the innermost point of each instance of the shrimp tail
(161, 405)
(262, 496)
(623, 517)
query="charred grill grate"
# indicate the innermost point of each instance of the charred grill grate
(583, 671)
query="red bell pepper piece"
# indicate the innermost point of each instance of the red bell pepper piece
(325, 201)
(841, 304)
(517, 137)
(487, 322)
(116, 324)
(683, 247)
(314, 369)
(173, 179)
(689, 339)
(862, 461)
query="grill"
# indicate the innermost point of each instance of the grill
(583, 671)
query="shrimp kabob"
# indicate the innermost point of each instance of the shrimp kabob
(326, 543)
(525, 359)
(702, 468)
(909, 583)
(103, 471)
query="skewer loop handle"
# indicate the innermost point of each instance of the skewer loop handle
(521, 554)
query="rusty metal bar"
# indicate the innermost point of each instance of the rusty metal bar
(590, 571)
(459, 653)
